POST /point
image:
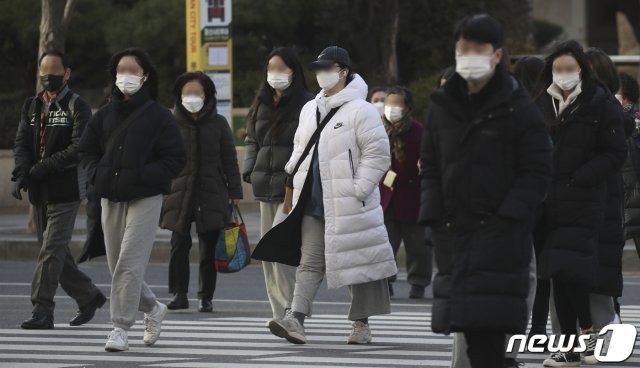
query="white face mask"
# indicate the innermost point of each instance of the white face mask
(328, 79)
(393, 113)
(192, 103)
(129, 84)
(566, 81)
(380, 107)
(278, 81)
(474, 68)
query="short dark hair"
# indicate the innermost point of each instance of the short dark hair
(375, 90)
(350, 75)
(404, 92)
(145, 63)
(629, 87)
(603, 68)
(481, 28)
(63, 57)
(207, 85)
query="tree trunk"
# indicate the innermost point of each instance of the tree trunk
(389, 52)
(53, 24)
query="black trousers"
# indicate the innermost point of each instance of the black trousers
(485, 349)
(540, 312)
(572, 303)
(179, 263)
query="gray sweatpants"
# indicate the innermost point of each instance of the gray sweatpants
(54, 227)
(129, 232)
(368, 299)
(460, 358)
(280, 279)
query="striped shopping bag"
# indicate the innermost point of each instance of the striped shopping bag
(232, 250)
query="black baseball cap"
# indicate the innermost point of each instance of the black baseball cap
(330, 56)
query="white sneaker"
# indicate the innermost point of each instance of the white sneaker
(288, 328)
(153, 323)
(360, 333)
(118, 340)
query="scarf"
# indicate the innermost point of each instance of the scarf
(395, 132)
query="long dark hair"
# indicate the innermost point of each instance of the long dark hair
(292, 98)
(603, 68)
(572, 48)
(145, 63)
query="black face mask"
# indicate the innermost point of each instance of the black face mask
(52, 82)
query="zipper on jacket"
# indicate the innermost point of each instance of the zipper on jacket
(353, 170)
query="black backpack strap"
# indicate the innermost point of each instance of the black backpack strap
(312, 141)
(32, 108)
(72, 104)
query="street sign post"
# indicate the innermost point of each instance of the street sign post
(209, 46)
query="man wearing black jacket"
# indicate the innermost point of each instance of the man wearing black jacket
(46, 165)
(486, 165)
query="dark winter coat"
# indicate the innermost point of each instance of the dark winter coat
(269, 144)
(406, 187)
(202, 190)
(486, 162)
(589, 149)
(611, 237)
(143, 159)
(64, 180)
(631, 177)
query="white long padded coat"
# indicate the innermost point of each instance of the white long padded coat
(353, 156)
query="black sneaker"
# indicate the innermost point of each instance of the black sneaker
(562, 360)
(179, 301)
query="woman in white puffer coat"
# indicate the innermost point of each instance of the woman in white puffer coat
(342, 226)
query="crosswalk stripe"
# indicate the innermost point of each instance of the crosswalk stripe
(227, 325)
(235, 365)
(201, 343)
(370, 362)
(161, 351)
(381, 330)
(91, 357)
(39, 365)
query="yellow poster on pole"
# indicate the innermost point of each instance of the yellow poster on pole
(193, 35)
(209, 47)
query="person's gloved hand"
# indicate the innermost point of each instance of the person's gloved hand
(38, 171)
(19, 185)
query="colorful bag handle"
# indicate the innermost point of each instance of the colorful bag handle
(235, 214)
